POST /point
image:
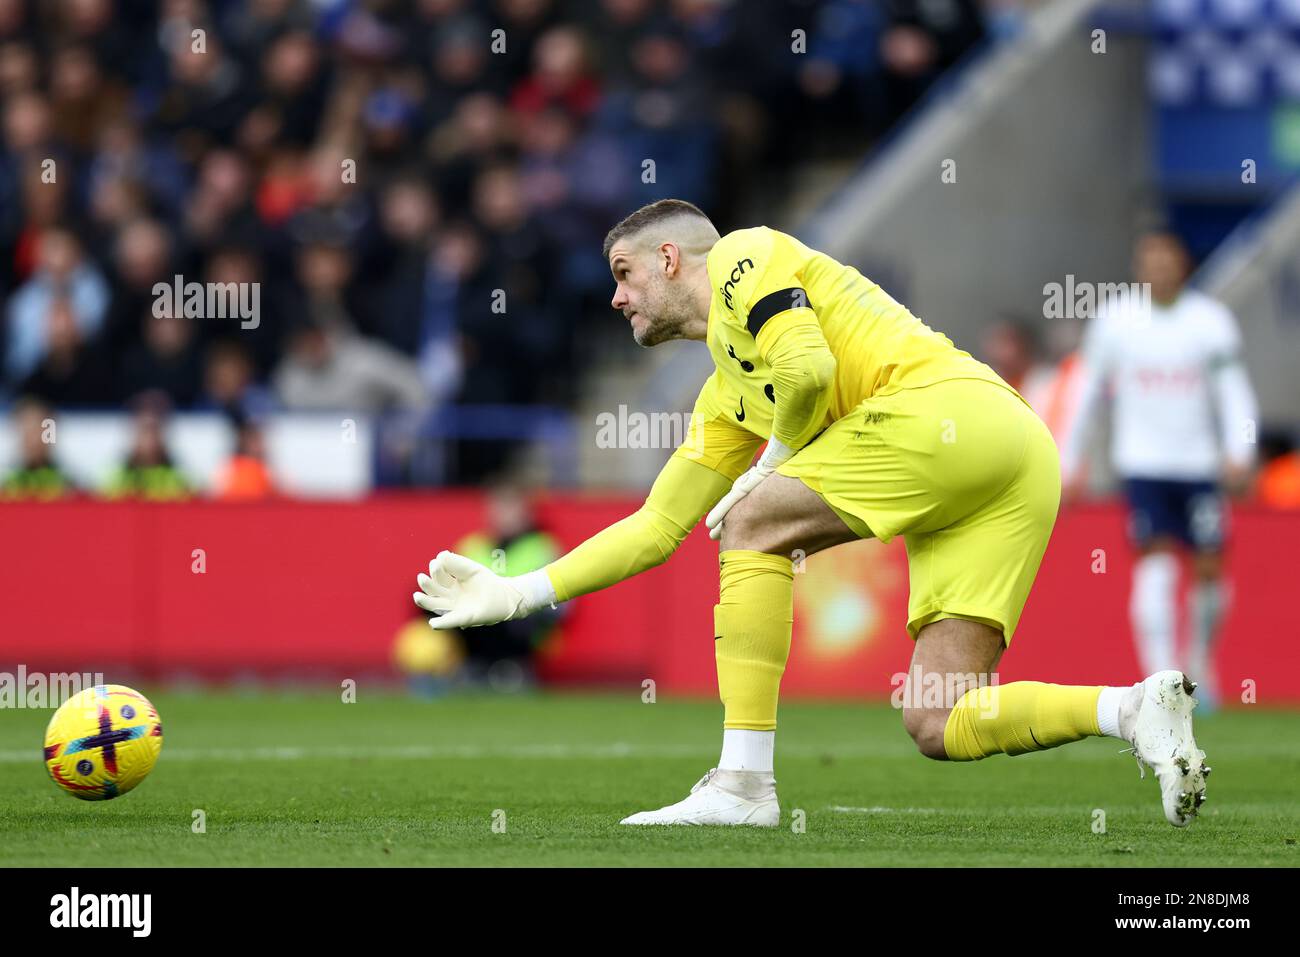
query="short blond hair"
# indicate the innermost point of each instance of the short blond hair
(657, 214)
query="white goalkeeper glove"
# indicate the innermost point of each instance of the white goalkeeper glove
(773, 457)
(461, 593)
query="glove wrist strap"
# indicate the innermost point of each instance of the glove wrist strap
(776, 454)
(536, 589)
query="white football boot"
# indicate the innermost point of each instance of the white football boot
(1157, 720)
(721, 797)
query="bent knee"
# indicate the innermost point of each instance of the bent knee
(746, 526)
(926, 726)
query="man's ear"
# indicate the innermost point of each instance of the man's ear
(671, 257)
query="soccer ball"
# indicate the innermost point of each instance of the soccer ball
(102, 742)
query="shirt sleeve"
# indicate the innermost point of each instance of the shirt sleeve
(693, 480)
(762, 286)
(803, 372)
(1238, 408)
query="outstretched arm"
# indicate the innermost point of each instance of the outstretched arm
(683, 492)
(462, 593)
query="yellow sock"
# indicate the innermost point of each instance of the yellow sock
(752, 622)
(1019, 717)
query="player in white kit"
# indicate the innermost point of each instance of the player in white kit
(1183, 426)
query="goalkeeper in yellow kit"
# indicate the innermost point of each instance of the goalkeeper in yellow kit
(875, 426)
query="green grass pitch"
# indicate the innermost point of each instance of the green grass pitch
(303, 779)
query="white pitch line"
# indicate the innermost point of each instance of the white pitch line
(1054, 810)
(544, 751)
(886, 810)
(618, 749)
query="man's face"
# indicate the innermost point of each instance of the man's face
(1160, 260)
(31, 433)
(646, 296)
(148, 438)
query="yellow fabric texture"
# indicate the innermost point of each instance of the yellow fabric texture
(752, 624)
(764, 278)
(1019, 717)
(803, 370)
(966, 472)
(682, 493)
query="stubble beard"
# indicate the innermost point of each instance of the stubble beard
(671, 316)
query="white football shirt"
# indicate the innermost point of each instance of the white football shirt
(1182, 402)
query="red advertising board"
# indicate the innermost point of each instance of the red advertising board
(224, 590)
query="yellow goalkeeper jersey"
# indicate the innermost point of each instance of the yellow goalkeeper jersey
(777, 305)
(799, 340)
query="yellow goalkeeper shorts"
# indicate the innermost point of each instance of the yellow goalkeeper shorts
(966, 472)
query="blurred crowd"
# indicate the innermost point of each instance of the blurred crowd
(418, 187)
(148, 471)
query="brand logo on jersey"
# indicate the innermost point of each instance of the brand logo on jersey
(741, 267)
(740, 416)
